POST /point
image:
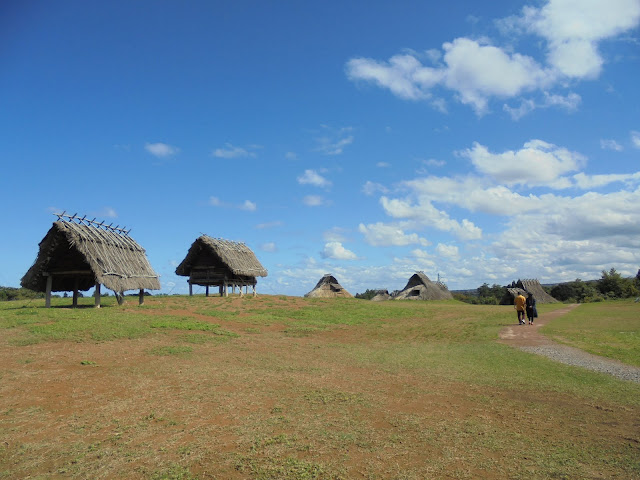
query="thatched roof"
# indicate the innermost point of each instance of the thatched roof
(527, 286)
(419, 287)
(381, 296)
(328, 287)
(88, 254)
(235, 256)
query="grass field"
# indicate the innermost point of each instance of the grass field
(290, 388)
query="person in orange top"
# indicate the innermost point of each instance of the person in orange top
(519, 303)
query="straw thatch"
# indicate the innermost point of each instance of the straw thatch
(77, 255)
(419, 287)
(381, 296)
(525, 287)
(328, 287)
(215, 261)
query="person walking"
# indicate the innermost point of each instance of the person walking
(532, 311)
(519, 304)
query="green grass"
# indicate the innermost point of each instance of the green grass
(289, 388)
(610, 329)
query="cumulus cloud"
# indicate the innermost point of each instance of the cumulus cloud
(336, 251)
(425, 215)
(574, 29)
(449, 251)
(384, 235)
(311, 177)
(161, 150)
(230, 151)
(537, 163)
(476, 71)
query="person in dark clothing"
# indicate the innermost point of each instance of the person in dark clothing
(532, 311)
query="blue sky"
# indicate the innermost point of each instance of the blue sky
(481, 141)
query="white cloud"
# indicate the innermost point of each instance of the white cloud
(611, 145)
(537, 163)
(291, 156)
(385, 235)
(635, 139)
(476, 71)
(585, 182)
(573, 30)
(336, 251)
(160, 149)
(269, 247)
(311, 177)
(425, 215)
(313, 200)
(449, 251)
(231, 151)
(370, 188)
(248, 206)
(383, 165)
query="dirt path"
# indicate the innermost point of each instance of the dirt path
(529, 339)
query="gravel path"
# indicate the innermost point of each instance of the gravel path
(528, 338)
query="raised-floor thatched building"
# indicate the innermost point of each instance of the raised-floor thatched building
(77, 254)
(525, 287)
(419, 287)
(222, 263)
(328, 287)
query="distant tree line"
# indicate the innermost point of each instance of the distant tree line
(611, 285)
(12, 293)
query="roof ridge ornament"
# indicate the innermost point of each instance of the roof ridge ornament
(63, 217)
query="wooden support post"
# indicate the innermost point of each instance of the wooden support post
(120, 297)
(47, 299)
(75, 292)
(206, 290)
(141, 297)
(190, 288)
(221, 290)
(97, 295)
(255, 293)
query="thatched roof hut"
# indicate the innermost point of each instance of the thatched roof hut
(222, 263)
(78, 256)
(525, 287)
(328, 287)
(381, 296)
(419, 287)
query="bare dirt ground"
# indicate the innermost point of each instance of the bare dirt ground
(267, 405)
(528, 338)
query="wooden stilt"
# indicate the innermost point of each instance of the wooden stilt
(221, 290)
(75, 292)
(47, 299)
(141, 297)
(206, 290)
(97, 295)
(120, 297)
(190, 289)
(255, 293)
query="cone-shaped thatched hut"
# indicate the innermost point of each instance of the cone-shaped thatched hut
(419, 287)
(222, 263)
(525, 287)
(328, 287)
(77, 256)
(381, 296)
